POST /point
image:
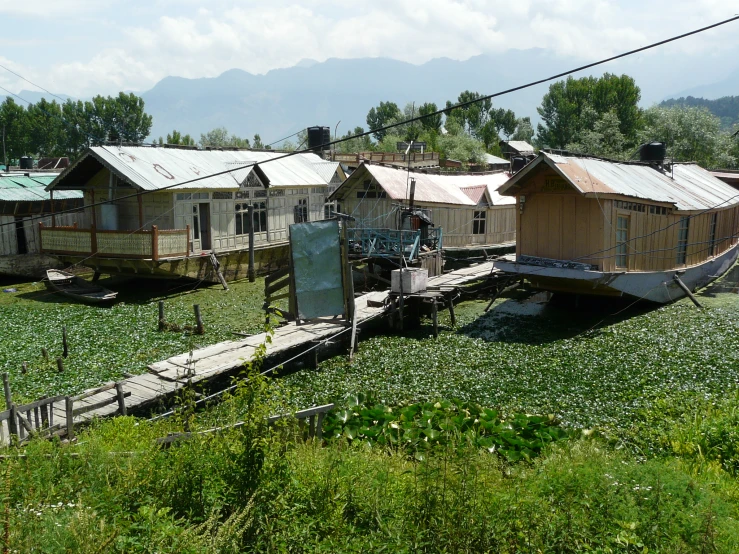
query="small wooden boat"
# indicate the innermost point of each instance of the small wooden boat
(78, 288)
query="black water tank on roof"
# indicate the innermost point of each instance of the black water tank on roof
(318, 136)
(517, 163)
(26, 162)
(653, 152)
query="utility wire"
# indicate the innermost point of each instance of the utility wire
(438, 112)
(31, 82)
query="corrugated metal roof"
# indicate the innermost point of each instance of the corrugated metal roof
(437, 189)
(325, 169)
(520, 145)
(31, 188)
(688, 187)
(490, 159)
(475, 193)
(158, 168)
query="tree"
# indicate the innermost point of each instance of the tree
(472, 117)
(220, 138)
(45, 127)
(562, 108)
(129, 120)
(75, 133)
(177, 138)
(603, 135)
(15, 127)
(430, 122)
(691, 134)
(461, 147)
(258, 144)
(524, 130)
(362, 144)
(380, 116)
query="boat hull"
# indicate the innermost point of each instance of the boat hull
(77, 288)
(656, 286)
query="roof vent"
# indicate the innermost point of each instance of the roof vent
(653, 152)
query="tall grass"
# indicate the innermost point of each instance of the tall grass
(260, 489)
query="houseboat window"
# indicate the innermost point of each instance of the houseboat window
(242, 218)
(712, 235)
(658, 210)
(260, 194)
(478, 223)
(300, 211)
(682, 241)
(195, 223)
(277, 193)
(240, 195)
(622, 241)
(183, 196)
(223, 195)
(330, 208)
(371, 190)
(200, 195)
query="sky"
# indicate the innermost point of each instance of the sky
(87, 47)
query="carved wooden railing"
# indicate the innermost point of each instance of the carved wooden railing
(142, 244)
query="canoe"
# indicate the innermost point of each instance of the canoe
(76, 287)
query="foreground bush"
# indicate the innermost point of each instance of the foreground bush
(252, 489)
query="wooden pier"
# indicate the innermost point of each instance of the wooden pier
(59, 415)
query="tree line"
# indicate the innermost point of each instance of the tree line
(68, 128)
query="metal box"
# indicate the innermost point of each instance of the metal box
(414, 280)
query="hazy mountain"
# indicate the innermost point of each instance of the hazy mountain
(284, 101)
(725, 87)
(33, 97)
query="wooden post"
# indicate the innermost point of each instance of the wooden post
(161, 315)
(451, 312)
(44, 353)
(154, 243)
(187, 241)
(45, 414)
(69, 408)
(53, 217)
(6, 390)
(435, 318)
(40, 237)
(686, 290)
(95, 276)
(60, 365)
(24, 368)
(65, 347)
(200, 330)
(251, 272)
(121, 398)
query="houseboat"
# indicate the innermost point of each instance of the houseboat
(24, 203)
(646, 230)
(181, 212)
(395, 211)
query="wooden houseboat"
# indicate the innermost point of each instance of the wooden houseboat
(24, 203)
(156, 211)
(640, 229)
(466, 206)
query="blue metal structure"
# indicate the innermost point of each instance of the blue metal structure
(391, 243)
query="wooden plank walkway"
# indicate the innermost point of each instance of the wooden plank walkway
(168, 376)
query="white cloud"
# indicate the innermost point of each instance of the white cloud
(189, 39)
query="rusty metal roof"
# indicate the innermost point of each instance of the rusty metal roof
(430, 188)
(688, 187)
(31, 188)
(154, 169)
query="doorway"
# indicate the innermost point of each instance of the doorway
(205, 234)
(20, 236)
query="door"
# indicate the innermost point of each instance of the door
(20, 236)
(205, 233)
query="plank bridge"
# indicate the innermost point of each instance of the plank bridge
(61, 414)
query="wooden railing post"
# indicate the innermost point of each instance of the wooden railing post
(187, 241)
(69, 406)
(13, 421)
(121, 398)
(154, 243)
(41, 237)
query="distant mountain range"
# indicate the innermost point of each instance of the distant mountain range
(342, 91)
